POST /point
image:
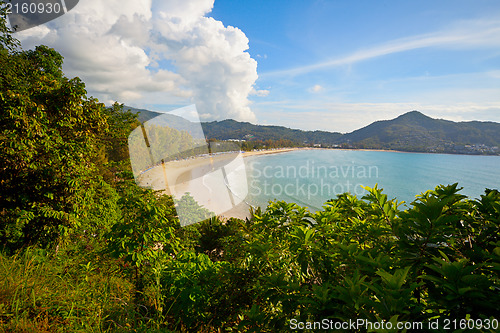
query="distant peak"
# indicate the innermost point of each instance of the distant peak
(413, 115)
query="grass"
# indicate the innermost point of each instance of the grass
(43, 292)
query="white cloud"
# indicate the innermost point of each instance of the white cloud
(115, 46)
(494, 74)
(260, 92)
(316, 88)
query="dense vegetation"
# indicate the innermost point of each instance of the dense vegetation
(83, 249)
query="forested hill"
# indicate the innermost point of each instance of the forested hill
(143, 115)
(231, 129)
(412, 131)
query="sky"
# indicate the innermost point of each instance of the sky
(317, 64)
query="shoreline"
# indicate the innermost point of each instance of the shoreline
(183, 175)
(193, 175)
(405, 151)
(272, 151)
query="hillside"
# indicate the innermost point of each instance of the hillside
(412, 131)
(231, 129)
(143, 115)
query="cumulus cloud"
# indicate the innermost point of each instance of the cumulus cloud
(155, 52)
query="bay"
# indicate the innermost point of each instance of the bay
(311, 177)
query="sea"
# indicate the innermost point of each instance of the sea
(312, 177)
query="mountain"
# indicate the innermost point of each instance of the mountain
(231, 129)
(143, 114)
(414, 131)
(169, 120)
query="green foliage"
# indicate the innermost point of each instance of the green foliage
(190, 211)
(193, 286)
(461, 288)
(113, 154)
(369, 259)
(7, 42)
(145, 235)
(48, 142)
(356, 259)
(111, 257)
(170, 144)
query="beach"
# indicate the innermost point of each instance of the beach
(217, 182)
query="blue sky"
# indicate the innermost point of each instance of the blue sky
(384, 58)
(317, 64)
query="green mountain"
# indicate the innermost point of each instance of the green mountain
(143, 115)
(414, 131)
(169, 120)
(231, 129)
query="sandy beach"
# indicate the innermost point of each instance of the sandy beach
(217, 182)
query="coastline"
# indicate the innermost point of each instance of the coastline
(196, 175)
(406, 151)
(188, 176)
(272, 151)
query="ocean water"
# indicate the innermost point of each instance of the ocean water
(311, 177)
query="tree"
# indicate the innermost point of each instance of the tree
(113, 157)
(7, 42)
(49, 135)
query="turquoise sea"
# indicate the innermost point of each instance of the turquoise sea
(311, 177)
